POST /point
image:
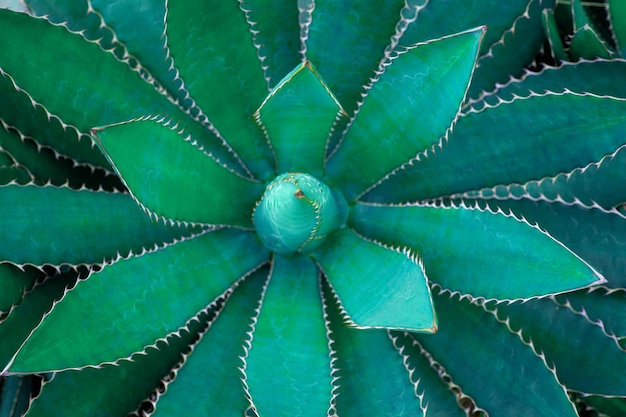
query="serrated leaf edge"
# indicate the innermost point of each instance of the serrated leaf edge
(439, 369)
(174, 127)
(493, 195)
(156, 247)
(526, 340)
(213, 310)
(412, 256)
(583, 313)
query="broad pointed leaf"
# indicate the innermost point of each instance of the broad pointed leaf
(475, 252)
(216, 357)
(587, 44)
(170, 175)
(50, 225)
(504, 145)
(297, 117)
(115, 308)
(212, 48)
(503, 375)
(289, 337)
(406, 110)
(358, 268)
(585, 358)
(594, 235)
(369, 372)
(360, 31)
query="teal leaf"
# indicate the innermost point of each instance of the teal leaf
(15, 282)
(594, 235)
(87, 227)
(36, 122)
(439, 395)
(513, 35)
(290, 310)
(504, 145)
(297, 116)
(587, 44)
(216, 357)
(276, 35)
(15, 394)
(591, 186)
(478, 252)
(363, 30)
(504, 376)
(616, 11)
(602, 306)
(585, 358)
(407, 109)
(369, 373)
(26, 315)
(213, 49)
(550, 26)
(173, 278)
(585, 77)
(169, 174)
(120, 387)
(396, 275)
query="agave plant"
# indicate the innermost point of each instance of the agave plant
(307, 208)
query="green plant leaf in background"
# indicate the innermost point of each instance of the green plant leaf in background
(451, 228)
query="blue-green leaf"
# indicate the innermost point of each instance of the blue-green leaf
(289, 336)
(407, 109)
(481, 253)
(357, 268)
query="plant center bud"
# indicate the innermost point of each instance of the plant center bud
(296, 213)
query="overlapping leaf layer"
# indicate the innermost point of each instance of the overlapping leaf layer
(479, 265)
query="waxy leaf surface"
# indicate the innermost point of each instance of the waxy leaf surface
(491, 365)
(552, 137)
(174, 178)
(297, 117)
(212, 48)
(289, 337)
(179, 280)
(87, 227)
(211, 373)
(476, 252)
(403, 300)
(407, 109)
(585, 358)
(361, 358)
(361, 30)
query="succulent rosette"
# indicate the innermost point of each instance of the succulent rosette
(307, 209)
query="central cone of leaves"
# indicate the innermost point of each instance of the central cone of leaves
(297, 212)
